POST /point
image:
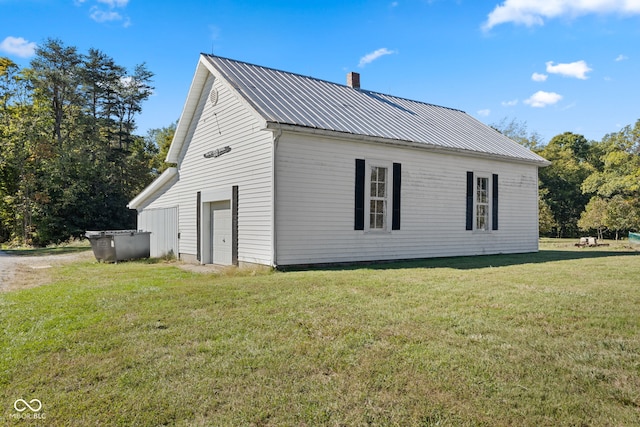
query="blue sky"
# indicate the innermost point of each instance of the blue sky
(558, 65)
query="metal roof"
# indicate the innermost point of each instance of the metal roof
(292, 99)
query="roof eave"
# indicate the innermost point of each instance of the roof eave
(403, 143)
(152, 188)
(188, 111)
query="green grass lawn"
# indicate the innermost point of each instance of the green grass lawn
(547, 339)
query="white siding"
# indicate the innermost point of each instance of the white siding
(163, 225)
(315, 181)
(247, 165)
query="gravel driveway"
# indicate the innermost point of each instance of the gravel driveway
(18, 272)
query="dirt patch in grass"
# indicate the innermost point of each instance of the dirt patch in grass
(22, 272)
(223, 270)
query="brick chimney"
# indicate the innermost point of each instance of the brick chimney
(353, 80)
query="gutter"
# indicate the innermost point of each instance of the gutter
(402, 143)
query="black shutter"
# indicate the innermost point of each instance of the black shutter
(234, 225)
(469, 200)
(494, 203)
(198, 220)
(359, 196)
(397, 182)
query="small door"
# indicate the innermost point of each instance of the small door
(221, 236)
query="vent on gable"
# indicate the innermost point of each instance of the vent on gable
(213, 96)
(353, 80)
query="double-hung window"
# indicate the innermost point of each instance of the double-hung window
(378, 198)
(377, 195)
(482, 201)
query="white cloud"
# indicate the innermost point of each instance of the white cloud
(541, 99)
(538, 77)
(18, 46)
(370, 57)
(484, 113)
(105, 16)
(511, 103)
(394, 4)
(577, 69)
(109, 12)
(621, 58)
(534, 12)
(114, 3)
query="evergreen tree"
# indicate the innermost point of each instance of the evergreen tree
(70, 159)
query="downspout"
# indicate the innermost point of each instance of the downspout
(274, 234)
(538, 209)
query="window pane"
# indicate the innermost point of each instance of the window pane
(482, 190)
(380, 221)
(482, 217)
(376, 221)
(377, 214)
(377, 198)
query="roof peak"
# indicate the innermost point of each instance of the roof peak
(288, 98)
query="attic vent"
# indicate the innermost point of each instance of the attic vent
(213, 96)
(353, 80)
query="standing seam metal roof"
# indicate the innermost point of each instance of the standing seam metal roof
(292, 99)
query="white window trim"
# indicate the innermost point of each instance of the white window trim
(389, 196)
(488, 177)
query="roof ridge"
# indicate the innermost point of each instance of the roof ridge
(272, 69)
(295, 99)
(330, 82)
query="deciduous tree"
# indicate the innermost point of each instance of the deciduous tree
(594, 217)
(570, 155)
(616, 180)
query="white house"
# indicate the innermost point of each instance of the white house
(282, 169)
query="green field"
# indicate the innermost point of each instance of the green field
(546, 339)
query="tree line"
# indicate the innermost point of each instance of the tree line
(69, 157)
(591, 187)
(70, 160)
